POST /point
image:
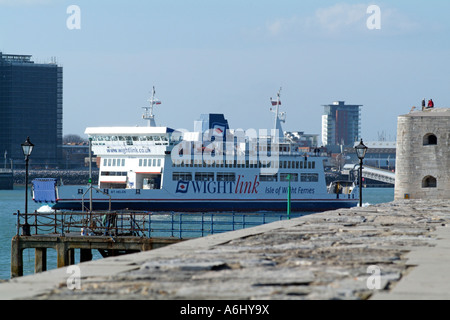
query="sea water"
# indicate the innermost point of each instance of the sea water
(12, 201)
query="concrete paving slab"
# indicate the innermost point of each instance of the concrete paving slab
(430, 278)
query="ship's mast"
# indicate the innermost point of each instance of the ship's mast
(279, 117)
(148, 114)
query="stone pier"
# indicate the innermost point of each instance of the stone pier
(398, 250)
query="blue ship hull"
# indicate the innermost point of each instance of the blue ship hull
(212, 206)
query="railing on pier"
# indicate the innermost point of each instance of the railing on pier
(142, 224)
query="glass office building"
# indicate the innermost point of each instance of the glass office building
(31, 105)
(341, 125)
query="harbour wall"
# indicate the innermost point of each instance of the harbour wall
(68, 177)
(6, 180)
(397, 250)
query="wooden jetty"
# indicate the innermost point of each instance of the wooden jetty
(111, 233)
(66, 245)
(115, 233)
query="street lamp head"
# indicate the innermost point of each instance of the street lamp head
(27, 147)
(361, 150)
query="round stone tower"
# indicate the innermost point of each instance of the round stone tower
(423, 155)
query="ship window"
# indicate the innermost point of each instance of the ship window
(114, 173)
(204, 176)
(429, 140)
(184, 176)
(429, 182)
(226, 176)
(159, 162)
(309, 177)
(268, 177)
(123, 162)
(114, 162)
(284, 177)
(105, 162)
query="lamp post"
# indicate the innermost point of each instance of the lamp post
(27, 148)
(361, 150)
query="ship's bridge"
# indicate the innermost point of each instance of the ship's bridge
(132, 157)
(131, 140)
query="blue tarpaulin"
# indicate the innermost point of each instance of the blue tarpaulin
(44, 190)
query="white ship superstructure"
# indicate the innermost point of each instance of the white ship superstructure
(211, 169)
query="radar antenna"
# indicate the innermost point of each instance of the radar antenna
(148, 114)
(279, 116)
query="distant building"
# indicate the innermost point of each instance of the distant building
(307, 142)
(31, 104)
(381, 154)
(76, 155)
(341, 125)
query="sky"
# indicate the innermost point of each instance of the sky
(231, 57)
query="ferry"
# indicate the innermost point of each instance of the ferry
(210, 169)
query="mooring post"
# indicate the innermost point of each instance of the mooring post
(62, 255)
(16, 258)
(18, 223)
(71, 256)
(40, 260)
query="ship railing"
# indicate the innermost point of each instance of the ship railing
(141, 224)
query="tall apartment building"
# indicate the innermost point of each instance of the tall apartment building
(341, 125)
(31, 104)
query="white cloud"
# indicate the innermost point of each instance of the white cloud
(342, 18)
(280, 26)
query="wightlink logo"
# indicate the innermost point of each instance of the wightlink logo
(241, 186)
